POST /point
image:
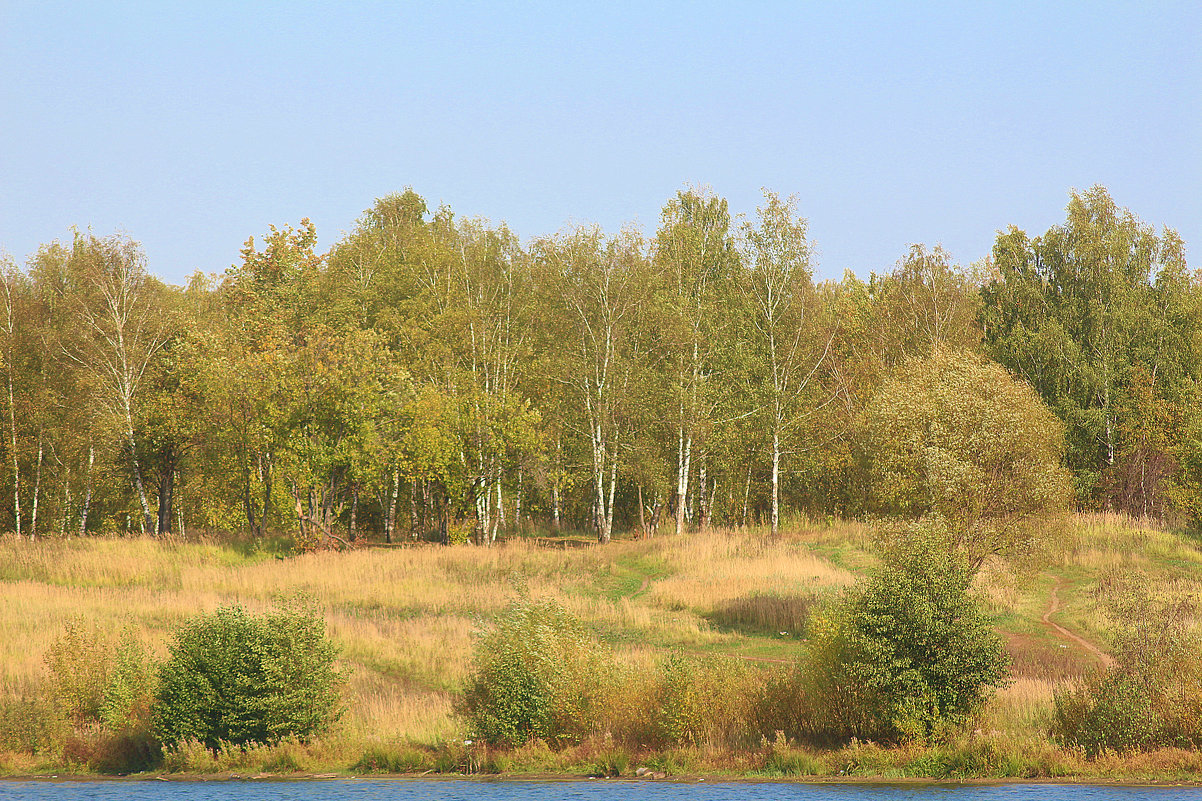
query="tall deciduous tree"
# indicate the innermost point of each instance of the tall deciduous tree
(1078, 309)
(125, 332)
(790, 343)
(598, 288)
(695, 255)
(955, 439)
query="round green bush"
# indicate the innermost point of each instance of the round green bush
(239, 679)
(536, 676)
(908, 656)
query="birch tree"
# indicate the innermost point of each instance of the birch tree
(10, 291)
(121, 319)
(777, 283)
(1078, 309)
(477, 279)
(694, 253)
(597, 287)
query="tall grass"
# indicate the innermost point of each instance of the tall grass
(405, 617)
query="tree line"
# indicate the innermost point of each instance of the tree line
(432, 376)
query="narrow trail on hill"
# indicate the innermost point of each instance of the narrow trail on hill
(1053, 607)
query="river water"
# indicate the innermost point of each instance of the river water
(508, 790)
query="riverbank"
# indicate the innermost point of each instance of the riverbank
(404, 618)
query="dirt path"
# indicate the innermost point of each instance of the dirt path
(1053, 607)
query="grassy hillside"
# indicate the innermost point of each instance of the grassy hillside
(404, 618)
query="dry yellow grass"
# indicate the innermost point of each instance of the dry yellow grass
(404, 617)
(707, 569)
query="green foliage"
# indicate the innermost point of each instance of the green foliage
(237, 679)
(1152, 696)
(79, 662)
(1079, 312)
(536, 674)
(96, 681)
(129, 691)
(958, 440)
(29, 723)
(907, 656)
(103, 690)
(703, 701)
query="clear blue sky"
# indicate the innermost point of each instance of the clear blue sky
(193, 126)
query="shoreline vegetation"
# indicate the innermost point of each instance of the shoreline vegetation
(407, 620)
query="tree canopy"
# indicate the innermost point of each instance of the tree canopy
(434, 377)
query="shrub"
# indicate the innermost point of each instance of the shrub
(237, 679)
(79, 663)
(536, 674)
(703, 701)
(102, 691)
(906, 657)
(28, 723)
(128, 693)
(1152, 696)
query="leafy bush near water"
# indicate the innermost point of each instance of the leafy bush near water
(1152, 696)
(94, 680)
(237, 679)
(537, 675)
(704, 701)
(907, 656)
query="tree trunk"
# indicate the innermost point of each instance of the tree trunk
(413, 524)
(179, 510)
(703, 494)
(390, 520)
(37, 490)
(684, 455)
(775, 482)
(248, 504)
(301, 517)
(555, 484)
(353, 532)
(426, 506)
(62, 527)
(709, 505)
(12, 421)
(166, 493)
(444, 523)
(746, 492)
(609, 513)
(87, 497)
(500, 517)
(266, 477)
(147, 517)
(517, 503)
(642, 518)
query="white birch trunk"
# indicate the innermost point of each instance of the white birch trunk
(37, 490)
(87, 498)
(775, 482)
(12, 420)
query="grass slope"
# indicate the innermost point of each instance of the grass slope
(404, 618)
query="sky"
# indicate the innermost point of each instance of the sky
(191, 126)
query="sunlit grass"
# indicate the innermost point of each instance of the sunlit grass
(404, 617)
